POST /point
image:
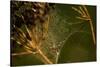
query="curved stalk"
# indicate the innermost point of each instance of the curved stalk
(91, 25)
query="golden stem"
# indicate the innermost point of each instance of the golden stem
(91, 25)
(84, 14)
(46, 60)
(22, 53)
(77, 10)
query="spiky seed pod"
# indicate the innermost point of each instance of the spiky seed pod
(29, 25)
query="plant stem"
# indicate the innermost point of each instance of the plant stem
(46, 60)
(91, 25)
(22, 53)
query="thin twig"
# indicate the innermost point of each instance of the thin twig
(77, 10)
(91, 25)
(22, 53)
(83, 18)
(47, 61)
(86, 16)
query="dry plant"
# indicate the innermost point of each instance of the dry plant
(30, 35)
(84, 15)
(30, 22)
